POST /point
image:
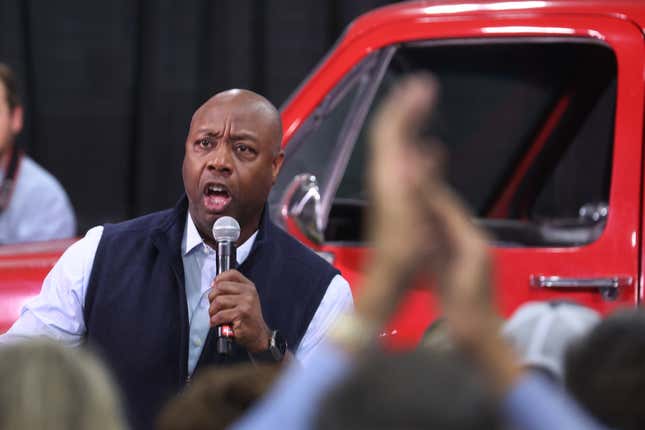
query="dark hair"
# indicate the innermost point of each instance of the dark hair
(605, 371)
(217, 397)
(8, 79)
(416, 390)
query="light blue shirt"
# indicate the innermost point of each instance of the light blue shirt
(199, 271)
(57, 312)
(535, 403)
(39, 208)
(293, 402)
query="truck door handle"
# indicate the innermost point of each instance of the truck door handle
(607, 286)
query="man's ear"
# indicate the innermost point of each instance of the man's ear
(16, 119)
(277, 165)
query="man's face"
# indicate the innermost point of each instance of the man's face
(231, 162)
(10, 122)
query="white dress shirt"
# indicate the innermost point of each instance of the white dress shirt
(57, 312)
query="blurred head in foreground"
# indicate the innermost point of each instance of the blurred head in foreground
(541, 333)
(605, 371)
(418, 390)
(48, 386)
(218, 397)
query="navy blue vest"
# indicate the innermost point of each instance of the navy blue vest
(136, 312)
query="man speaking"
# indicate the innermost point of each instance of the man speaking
(145, 293)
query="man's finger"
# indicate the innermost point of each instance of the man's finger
(404, 111)
(233, 276)
(453, 219)
(221, 302)
(226, 316)
(224, 288)
(463, 265)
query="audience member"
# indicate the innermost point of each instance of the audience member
(541, 332)
(418, 226)
(217, 397)
(33, 205)
(605, 371)
(47, 386)
(419, 390)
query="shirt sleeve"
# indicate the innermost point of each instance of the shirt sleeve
(57, 312)
(337, 300)
(294, 400)
(536, 404)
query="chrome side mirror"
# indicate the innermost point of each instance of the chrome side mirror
(301, 204)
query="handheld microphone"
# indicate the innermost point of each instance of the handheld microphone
(226, 231)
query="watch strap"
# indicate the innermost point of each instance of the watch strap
(275, 352)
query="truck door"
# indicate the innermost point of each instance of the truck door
(542, 117)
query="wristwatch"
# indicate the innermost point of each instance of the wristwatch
(276, 351)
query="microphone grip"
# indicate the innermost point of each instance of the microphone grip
(226, 260)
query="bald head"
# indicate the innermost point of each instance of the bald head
(234, 144)
(254, 104)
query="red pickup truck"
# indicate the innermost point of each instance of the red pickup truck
(542, 114)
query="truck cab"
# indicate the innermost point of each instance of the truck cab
(541, 114)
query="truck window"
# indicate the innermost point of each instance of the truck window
(546, 104)
(315, 147)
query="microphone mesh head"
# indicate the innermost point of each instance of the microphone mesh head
(226, 228)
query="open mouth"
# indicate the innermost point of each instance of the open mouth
(216, 197)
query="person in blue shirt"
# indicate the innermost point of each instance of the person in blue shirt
(33, 205)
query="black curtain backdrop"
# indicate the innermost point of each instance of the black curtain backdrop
(109, 86)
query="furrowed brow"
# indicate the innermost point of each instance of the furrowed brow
(206, 132)
(243, 136)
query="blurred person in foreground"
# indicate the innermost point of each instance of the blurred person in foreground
(217, 397)
(144, 292)
(33, 205)
(605, 370)
(47, 386)
(418, 228)
(421, 389)
(542, 332)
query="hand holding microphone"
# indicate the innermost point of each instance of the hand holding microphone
(235, 309)
(226, 230)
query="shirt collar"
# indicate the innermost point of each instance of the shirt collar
(192, 240)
